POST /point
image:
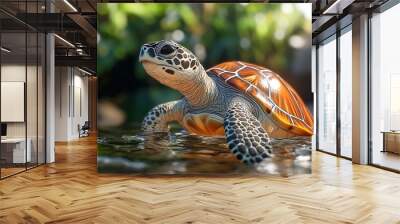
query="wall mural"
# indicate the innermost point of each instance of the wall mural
(195, 89)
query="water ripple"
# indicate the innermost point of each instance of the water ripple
(130, 151)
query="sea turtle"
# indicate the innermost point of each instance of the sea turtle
(244, 102)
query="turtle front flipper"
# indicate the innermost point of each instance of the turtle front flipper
(158, 118)
(245, 136)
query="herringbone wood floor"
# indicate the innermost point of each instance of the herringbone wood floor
(71, 191)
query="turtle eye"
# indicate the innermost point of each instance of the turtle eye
(167, 49)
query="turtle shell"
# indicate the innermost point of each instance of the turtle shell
(271, 92)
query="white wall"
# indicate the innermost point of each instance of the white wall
(62, 82)
(16, 72)
(33, 126)
(10, 73)
(71, 102)
(81, 104)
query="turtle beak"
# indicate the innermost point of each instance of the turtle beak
(147, 53)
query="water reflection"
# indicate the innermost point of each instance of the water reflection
(130, 151)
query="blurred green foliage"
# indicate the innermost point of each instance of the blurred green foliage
(264, 34)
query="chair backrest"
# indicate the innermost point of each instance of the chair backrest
(86, 125)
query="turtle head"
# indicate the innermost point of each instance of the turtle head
(170, 63)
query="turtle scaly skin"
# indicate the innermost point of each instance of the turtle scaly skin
(245, 103)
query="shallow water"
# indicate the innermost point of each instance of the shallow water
(130, 151)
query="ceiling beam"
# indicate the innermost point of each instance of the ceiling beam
(337, 7)
(49, 22)
(81, 61)
(321, 22)
(86, 26)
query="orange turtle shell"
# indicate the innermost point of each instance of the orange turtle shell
(275, 95)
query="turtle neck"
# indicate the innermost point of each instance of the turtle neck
(201, 91)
